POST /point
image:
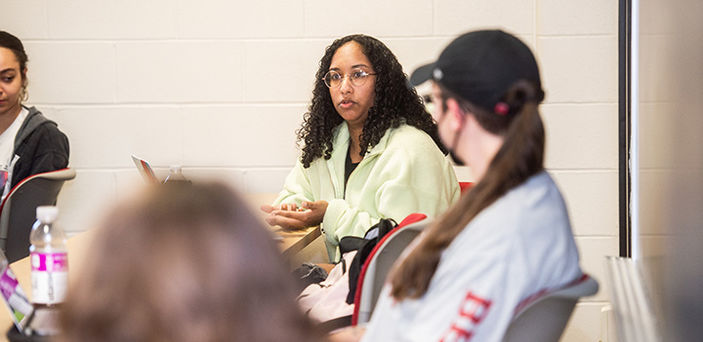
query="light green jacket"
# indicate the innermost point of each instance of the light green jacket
(404, 173)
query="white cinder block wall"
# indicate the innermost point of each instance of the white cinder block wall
(219, 87)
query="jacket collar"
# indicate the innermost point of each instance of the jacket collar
(33, 120)
(340, 144)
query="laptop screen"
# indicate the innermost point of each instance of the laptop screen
(145, 169)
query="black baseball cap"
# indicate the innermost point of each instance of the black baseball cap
(481, 66)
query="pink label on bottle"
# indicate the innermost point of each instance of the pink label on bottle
(50, 262)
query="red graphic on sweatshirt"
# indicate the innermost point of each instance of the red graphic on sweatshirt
(471, 312)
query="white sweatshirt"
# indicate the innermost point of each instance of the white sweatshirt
(520, 245)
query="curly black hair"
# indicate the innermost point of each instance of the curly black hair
(396, 102)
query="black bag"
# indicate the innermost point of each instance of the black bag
(308, 273)
(363, 246)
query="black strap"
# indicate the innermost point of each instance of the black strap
(384, 226)
(350, 243)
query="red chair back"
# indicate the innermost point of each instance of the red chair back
(464, 186)
(412, 218)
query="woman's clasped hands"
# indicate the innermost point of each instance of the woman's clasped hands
(292, 216)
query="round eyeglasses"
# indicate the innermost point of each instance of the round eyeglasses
(357, 77)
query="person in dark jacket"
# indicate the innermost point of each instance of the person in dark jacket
(29, 142)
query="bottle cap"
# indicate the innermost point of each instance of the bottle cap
(47, 213)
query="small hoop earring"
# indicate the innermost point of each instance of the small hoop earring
(24, 95)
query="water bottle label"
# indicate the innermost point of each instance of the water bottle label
(49, 277)
(50, 262)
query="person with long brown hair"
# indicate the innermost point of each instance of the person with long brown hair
(506, 240)
(184, 262)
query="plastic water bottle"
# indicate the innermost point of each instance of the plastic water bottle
(175, 174)
(49, 258)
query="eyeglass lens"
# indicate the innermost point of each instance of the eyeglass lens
(357, 78)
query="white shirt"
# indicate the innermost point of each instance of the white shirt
(520, 245)
(7, 138)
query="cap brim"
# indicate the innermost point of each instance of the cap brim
(422, 74)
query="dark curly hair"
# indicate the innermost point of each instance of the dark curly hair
(396, 102)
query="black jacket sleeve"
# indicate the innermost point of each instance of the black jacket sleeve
(46, 149)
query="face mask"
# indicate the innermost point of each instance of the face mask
(457, 160)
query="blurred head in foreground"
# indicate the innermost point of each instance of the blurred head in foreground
(184, 262)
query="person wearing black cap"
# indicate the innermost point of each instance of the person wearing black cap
(506, 240)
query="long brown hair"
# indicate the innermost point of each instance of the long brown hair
(184, 263)
(520, 157)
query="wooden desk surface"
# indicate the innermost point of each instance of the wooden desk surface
(295, 240)
(291, 242)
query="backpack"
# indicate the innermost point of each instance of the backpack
(363, 247)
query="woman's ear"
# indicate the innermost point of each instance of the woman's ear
(456, 114)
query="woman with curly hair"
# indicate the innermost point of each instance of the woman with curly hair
(370, 150)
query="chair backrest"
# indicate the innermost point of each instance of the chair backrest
(18, 209)
(543, 317)
(465, 186)
(379, 262)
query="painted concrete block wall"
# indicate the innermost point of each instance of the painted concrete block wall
(664, 122)
(577, 48)
(220, 87)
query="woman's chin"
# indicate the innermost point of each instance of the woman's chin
(351, 116)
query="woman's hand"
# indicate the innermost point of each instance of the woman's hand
(290, 216)
(287, 206)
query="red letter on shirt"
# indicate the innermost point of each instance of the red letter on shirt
(472, 310)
